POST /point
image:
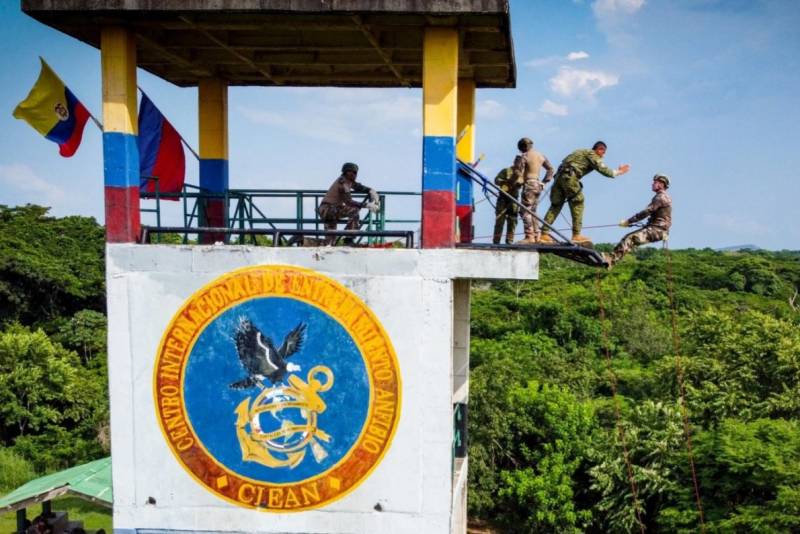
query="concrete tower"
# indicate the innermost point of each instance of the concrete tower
(292, 389)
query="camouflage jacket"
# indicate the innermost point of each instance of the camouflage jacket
(659, 210)
(340, 192)
(583, 161)
(507, 181)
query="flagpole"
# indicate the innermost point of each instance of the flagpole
(94, 119)
(196, 155)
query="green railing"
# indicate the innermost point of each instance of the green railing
(275, 209)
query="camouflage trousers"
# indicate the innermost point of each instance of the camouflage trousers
(530, 199)
(567, 188)
(331, 215)
(505, 213)
(648, 234)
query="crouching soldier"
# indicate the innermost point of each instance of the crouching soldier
(657, 227)
(339, 204)
(506, 210)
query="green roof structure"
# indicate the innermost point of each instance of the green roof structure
(90, 481)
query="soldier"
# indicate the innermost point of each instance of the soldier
(527, 167)
(657, 228)
(338, 202)
(568, 187)
(506, 211)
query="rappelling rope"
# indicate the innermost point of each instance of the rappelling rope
(682, 391)
(620, 429)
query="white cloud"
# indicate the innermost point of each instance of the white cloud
(490, 109)
(24, 179)
(627, 7)
(551, 60)
(575, 56)
(552, 108)
(571, 82)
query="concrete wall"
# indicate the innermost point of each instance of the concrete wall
(412, 294)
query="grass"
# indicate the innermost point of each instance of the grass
(93, 515)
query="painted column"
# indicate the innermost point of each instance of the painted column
(213, 123)
(465, 151)
(439, 95)
(120, 127)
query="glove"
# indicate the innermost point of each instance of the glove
(373, 207)
(624, 223)
(504, 188)
(373, 196)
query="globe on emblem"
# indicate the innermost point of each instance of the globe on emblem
(282, 421)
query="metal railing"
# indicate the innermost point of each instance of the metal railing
(274, 213)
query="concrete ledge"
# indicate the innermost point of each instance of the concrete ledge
(444, 264)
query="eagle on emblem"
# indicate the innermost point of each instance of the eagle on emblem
(260, 358)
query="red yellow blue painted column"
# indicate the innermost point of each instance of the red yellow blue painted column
(120, 151)
(439, 95)
(213, 123)
(465, 151)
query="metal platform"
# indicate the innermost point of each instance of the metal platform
(586, 256)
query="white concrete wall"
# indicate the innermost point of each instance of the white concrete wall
(410, 291)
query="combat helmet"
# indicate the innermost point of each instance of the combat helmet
(349, 167)
(524, 144)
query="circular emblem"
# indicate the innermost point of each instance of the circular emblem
(277, 388)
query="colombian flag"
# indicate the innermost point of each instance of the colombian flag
(54, 112)
(160, 151)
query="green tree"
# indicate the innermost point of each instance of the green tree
(49, 409)
(49, 266)
(656, 451)
(750, 475)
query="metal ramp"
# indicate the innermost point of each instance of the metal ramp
(563, 246)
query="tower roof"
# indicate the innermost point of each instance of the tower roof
(348, 43)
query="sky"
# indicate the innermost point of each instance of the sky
(705, 91)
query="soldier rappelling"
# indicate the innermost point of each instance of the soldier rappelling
(657, 228)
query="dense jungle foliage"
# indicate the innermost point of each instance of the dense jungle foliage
(545, 449)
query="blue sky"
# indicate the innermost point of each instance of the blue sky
(706, 91)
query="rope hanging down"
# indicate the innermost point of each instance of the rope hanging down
(620, 429)
(681, 389)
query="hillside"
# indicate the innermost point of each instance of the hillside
(545, 453)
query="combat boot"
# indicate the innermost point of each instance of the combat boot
(530, 239)
(547, 240)
(510, 239)
(579, 239)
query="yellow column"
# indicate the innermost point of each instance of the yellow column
(213, 124)
(120, 124)
(465, 151)
(440, 105)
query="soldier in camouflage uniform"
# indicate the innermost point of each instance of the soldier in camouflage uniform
(339, 204)
(506, 211)
(529, 165)
(657, 228)
(568, 187)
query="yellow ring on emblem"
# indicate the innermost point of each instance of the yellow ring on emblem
(375, 348)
